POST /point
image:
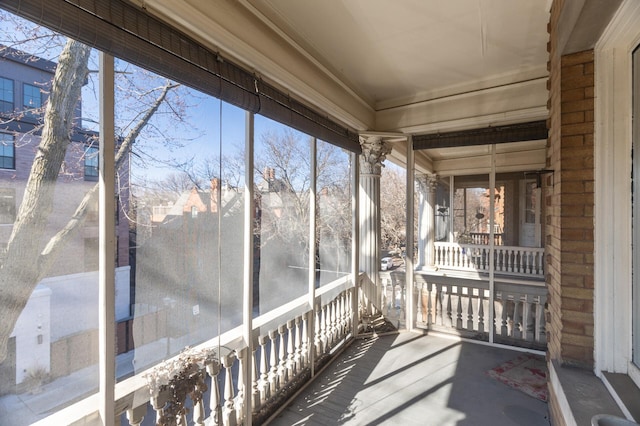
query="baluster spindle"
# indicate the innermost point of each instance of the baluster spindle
(539, 324)
(291, 352)
(181, 419)
(449, 316)
(459, 308)
(228, 410)
(297, 343)
(317, 337)
(470, 310)
(213, 369)
(480, 311)
(241, 396)
(332, 321)
(527, 326)
(282, 356)
(339, 318)
(305, 340)
(541, 263)
(429, 305)
(255, 378)
(349, 309)
(330, 316)
(420, 317)
(197, 394)
(158, 403)
(324, 330)
(345, 312)
(439, 305)
(516, 330)
(274, 383)
(263, 385)
(523, 256)
(135, 416)
(503, 327)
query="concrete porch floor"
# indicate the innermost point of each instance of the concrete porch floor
(414, 379)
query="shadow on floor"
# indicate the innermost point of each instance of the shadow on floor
(411, 379)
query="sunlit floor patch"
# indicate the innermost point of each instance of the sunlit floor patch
(406, 380)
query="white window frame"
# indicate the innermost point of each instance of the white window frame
(613, 227)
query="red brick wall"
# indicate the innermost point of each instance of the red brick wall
(569, 205)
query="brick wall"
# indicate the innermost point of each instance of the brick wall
(569, 205)
(551, 192)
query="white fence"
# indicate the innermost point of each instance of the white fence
(511, 260)
(461, 306)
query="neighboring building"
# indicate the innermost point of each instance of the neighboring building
(49, 325)
(24, 85)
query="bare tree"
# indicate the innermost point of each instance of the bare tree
(27, 256)
(393, 207)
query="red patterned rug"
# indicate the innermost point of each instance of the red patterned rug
(527, 373)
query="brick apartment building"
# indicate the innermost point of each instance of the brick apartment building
(25, 81)
(24, 85)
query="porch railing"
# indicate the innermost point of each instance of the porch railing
(461, 305)
(511, 260)
(289, 343)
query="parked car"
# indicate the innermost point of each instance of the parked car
(386, 263)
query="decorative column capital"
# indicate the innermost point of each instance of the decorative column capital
(374, 152)
(427, 183)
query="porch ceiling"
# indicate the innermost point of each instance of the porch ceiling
(407, 51)
(409, 66)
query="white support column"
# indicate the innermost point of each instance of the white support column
(311, 305)
(247, 286)
(374, 152)
(426, 221)
(412, 295)
(355, 242)
(107, 234)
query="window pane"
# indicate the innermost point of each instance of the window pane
(282, 179)
(6, 95)
(91, 162)
(471, 209)
(393, 218)
(334, 225)
(442, 210)
(185, 211)
(7, 206)
(7, 151)
(393, 214)
(32, 100)
(53, 336)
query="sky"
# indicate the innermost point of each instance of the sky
(198, 140)
(191, 143)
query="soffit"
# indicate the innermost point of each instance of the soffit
(407, 51)
(356, 58)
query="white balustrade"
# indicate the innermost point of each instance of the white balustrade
(459, 305)
(508, 260)
(282, 343)
(280, 355)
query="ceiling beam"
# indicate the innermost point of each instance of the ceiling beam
(534, 130)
